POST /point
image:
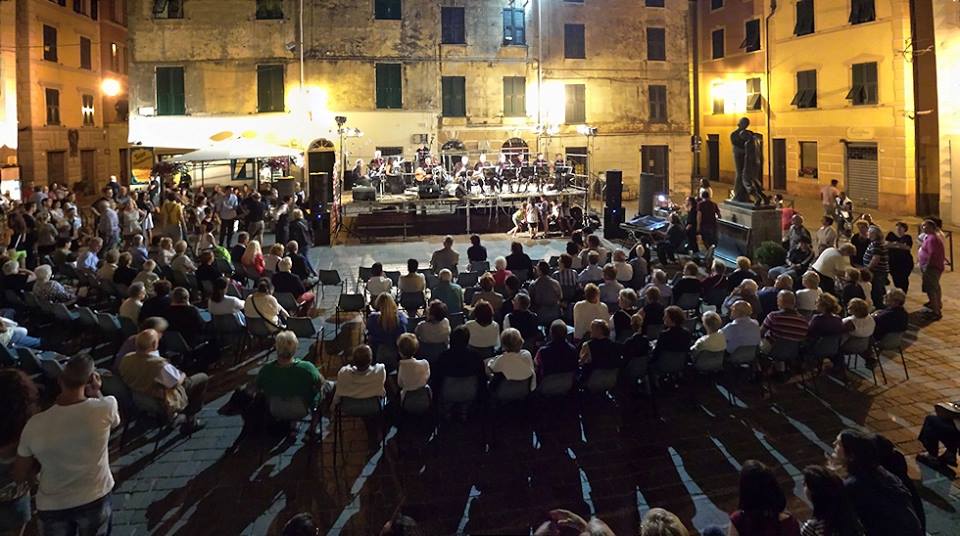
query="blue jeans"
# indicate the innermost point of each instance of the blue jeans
(91, 519)
(14, 515)
(20, 338)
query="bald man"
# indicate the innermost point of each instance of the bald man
(145, 372)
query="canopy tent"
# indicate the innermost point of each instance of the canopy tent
(237, 149)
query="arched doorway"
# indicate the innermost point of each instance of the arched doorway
(321, 160)
(451, 152)
(516, 146)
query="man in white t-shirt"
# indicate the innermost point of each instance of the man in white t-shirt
(69, 443)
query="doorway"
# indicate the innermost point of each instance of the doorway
(713, 157)
(779, 164)
(862, 174)
(655, 159)
(56, 167)
(124, 166)
(88, 170)
(321, 159)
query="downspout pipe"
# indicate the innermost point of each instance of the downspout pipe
(768, 143)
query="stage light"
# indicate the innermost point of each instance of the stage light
(110, 87)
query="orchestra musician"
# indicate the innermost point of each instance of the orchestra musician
(559, 162)
(461, 168)
(540, 162)
(377, 164)
(356, 174)
(481, 162)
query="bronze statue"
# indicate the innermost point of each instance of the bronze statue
(748, 159)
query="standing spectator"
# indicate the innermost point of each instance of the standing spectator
(832, 512)
(708, 214)
(18, 397)
(932, 260)
(690, 228)
(171, 217)
(832, 265)
(109, 226)
(300, 232)
(899, 249)
(445, 258)
(281, 226)
(877, 261)
(796, 232)
(881, 501)
(254, 212)
(860, 240)
(826, 236)
(69, 442)
(828, 197)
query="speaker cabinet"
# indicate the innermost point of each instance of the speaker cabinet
(615, 188)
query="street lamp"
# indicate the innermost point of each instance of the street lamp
(110, 87)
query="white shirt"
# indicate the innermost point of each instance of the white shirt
(862, 327)
(807, 299)
(514, 366)
(269, 308)
(70, 443)
(484, 336)
(130, 308)
(584, 313)
(831, 263)
(412, 283)
(227, 306)
(377, 285)
(412, 374)
(183, 264)
(624, 271)
(433, 332)
(711, 342)
(354, 384)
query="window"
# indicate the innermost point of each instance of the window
(718, 105)
(717, 40)
(656, 44)
(864, 89)
(657, 96)
(53, 106)
(514, 96)
(451, 26)
(170, 95)
(809, 166)
(85, 59)
(454, 90)
(751, 36)
(49, 43)
(270, 94)
(576, 103)
(804, 24)
(654, 3)
(389, 86)
(386, 9)
(78, 6)
(862, 11)
(574, 46)
(170, 9)
(806, 96)
(514, 27)
(115, 57)
(269, 9)
(86, 102)
(95, 9)
(716, 4)
(754, 98)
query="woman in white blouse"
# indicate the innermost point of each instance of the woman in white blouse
(484, 331)
(860, 323)
(221, 304)
(514, 363)
(412, 373)
(262, 304)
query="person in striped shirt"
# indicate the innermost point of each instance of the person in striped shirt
(877, 260)
(783, 324)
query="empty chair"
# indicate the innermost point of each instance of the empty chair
(288, 301)
(329, 278)
(468, 279)
(889, 343)
(63, 314)
(559, 384)
(363, 274)
(480, 266)
(602, 380)
(708, 362)
(303, 327)
(456, 319)
(822, 348)
(412, 302)
(417, 402)
(127, 326)
(669, 363)
(231, 332)
(353, 407)
(393, 276)
(47, 364)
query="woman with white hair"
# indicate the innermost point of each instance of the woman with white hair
(746, 291)
(130, 308)
(15, 278)
(500, 272)
(46, 289)
(148, 275)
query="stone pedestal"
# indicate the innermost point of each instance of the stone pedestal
(743, 227)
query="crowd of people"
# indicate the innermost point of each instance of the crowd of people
(182, 263)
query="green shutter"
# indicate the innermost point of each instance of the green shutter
(270, 90)
(389, 85)
(514, 96)
(170, 94)
(453, 98)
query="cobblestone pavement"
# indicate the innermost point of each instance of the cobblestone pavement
(610, 456)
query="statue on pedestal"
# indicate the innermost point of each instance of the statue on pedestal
(748, 159)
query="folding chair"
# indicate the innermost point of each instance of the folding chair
(329, 278)
(468, 279)
(889, 343)
(230, 331)
(602, 381)
(413, 302)
(362, 408)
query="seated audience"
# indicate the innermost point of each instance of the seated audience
(522, 319)
(287, 377)
(514, 364)
(833, 512)
(125, 272)
(147, 373)
(852, 288)
(763, 506)
(448, 292)
(487, 293)
(621, 322)
(157, 304)
(599, 352)
(674, 337)
(743, 272)
(109, 265)
(47, 289)
(639, 266)
(859, 323)
(557, 355)
(252, 260)
(808, 295)
(592, 273)
(545, 291)
(221, 304)
(262, 304)
(19, 397)
(207, 269)
(458, 361)
(746, 291)
(285, 281)
(565, 274)
(690, 282)
(148, 276)
(826, 323)
(130, 308)
(714, 340)
(412, 373)
(588, 310)
(717, 278)
(610, 288)
(742, 329)
(652, 310)
(660, 522)
(659, 280)
(484, 330)
(273, 256)
(386, 323)
(378, 283)
(893, 317)
(362, 378)
(942, 427)
(183, 317)
(518, 260)
(412, 281)
(445, 258)
(784, 324)
(302, 267)
(476, 253)
(181, 262)
(500, 272)
(624, 270)
(767, 297)
(435, 328)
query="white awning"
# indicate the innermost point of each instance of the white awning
(237, 149)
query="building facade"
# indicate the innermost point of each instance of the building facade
(8, 83)
(830, 86)
(461, 76)
(947, 45)
(64, 120)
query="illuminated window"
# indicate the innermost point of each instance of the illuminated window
(809, 165)
(115, 57)
(754, 99)
(86, 109)
(576, 104)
